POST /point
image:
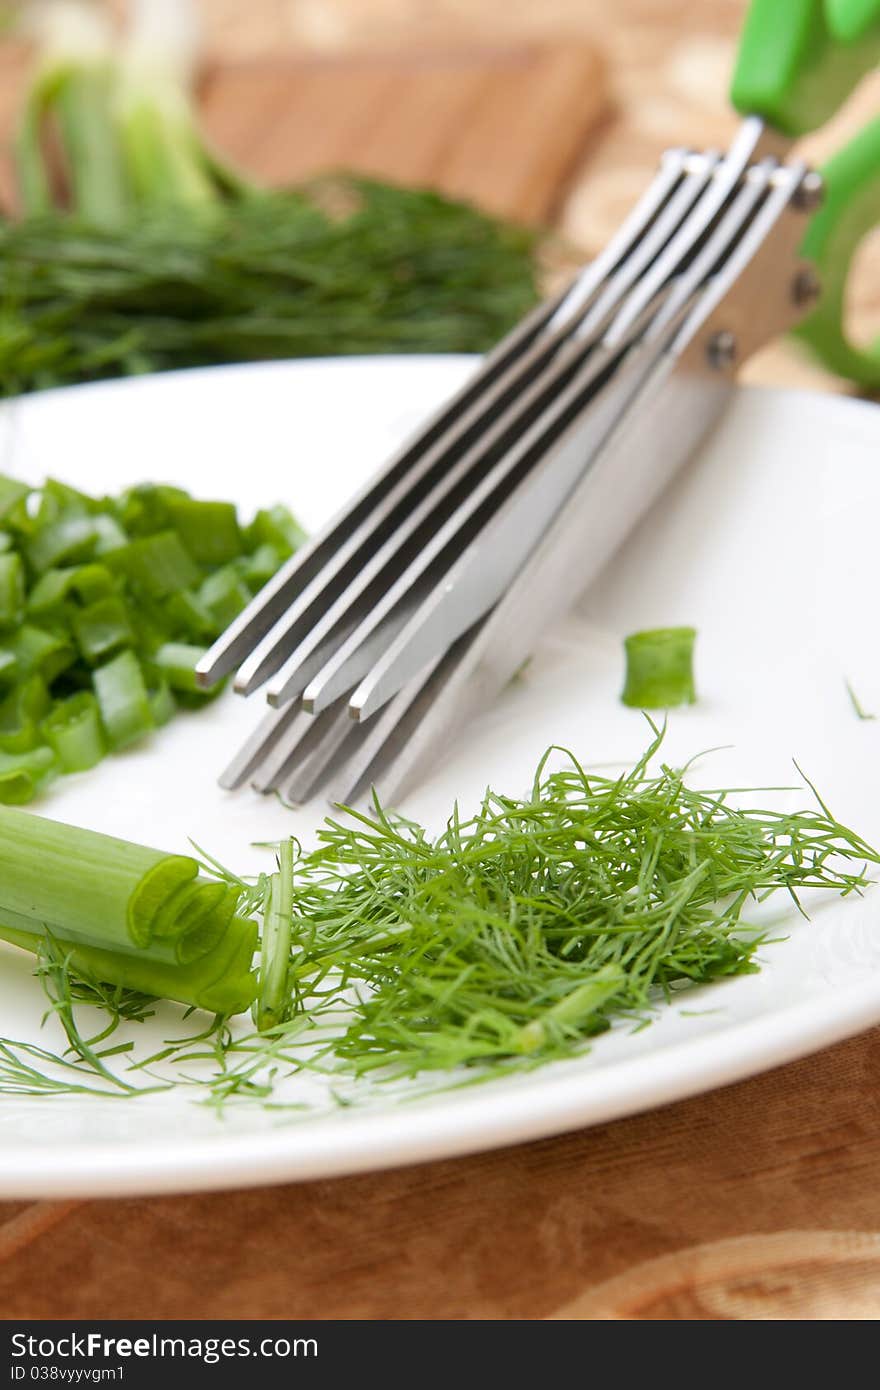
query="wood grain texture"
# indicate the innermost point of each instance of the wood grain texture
(504, 127)
(790, 1274)
(516, 1234)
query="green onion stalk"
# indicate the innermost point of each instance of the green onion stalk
(73, 86)
(121, 113)
(165, 156)
(125, 914)
(139, 248)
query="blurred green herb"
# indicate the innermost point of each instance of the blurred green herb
(140, 250)
(856, 704)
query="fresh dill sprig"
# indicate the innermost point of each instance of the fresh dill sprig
(856, 703)
(268, 277)
(522, 932)
(510, 939)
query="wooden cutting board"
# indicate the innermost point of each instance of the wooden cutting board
(505, 127)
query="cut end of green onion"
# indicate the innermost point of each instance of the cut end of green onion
(659, 668)
(73, 729)
(130, 915)
(122, 696)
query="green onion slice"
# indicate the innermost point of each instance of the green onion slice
(659, 668)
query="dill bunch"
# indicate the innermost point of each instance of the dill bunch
(138, 248)
(267, 277)
(518, 934)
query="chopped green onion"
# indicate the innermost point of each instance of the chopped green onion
(259, 567)
(12, 494)
(177, 661)
(11, 590)
(110, 534)
(157, 564)
(123, 700)
(275, 526)
(23, 774)
(56, 498)
(102, 628)
(144, 509)
(209, 530)
(102, 897)
(659, 668)
(21, 713)
(163, 705)
(87, 583)
(73, 729)
(70, 539)
(186, 615)
(102, 597)
(39, 652)
(225, 594)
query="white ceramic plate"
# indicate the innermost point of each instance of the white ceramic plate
(767, 544)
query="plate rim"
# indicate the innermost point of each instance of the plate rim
(487, 1119)
(494, 1119)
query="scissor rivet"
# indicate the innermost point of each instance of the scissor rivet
(721, 350)
(806, 287)
(810, 194)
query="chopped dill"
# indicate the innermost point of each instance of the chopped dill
(856, 704)
(512, 938)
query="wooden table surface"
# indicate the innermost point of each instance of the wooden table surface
(759, 1200)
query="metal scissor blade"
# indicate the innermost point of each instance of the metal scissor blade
(376, 739)
(299, 735)
(365, 601)
(396, 544)
(361, 555)
(278, 593)
(441, 548)
(648, 446)
(359, 550)
(676, 407)
(555, 316)
(698, 174)
(692, 232)
(323, 753)
(714, 227)
(628, 238)
(261, 742)
(490, 563)
(527, 484)
(356, 577)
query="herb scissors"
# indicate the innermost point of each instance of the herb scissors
(424, 596)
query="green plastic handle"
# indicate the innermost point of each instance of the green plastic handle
(799, 60)
(850, 210)
(850, 20)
